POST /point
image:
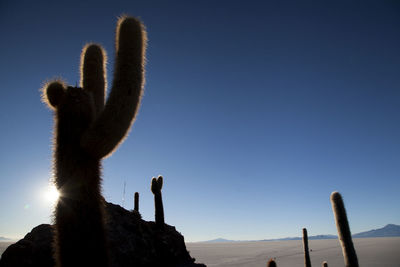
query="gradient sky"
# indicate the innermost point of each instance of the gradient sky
(253, 111)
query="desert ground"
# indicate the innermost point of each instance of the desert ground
(370, 251)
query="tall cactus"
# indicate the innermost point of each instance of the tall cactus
(136, 207)
(88, 129)
(156, 186)
(343, 228)
(307, 261)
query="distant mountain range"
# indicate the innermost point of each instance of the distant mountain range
(4, 239)
(313, 237)
(390, 230)
(219, 240)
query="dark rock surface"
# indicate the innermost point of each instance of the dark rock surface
(132, 242)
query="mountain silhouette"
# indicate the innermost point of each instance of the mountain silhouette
(390, 230)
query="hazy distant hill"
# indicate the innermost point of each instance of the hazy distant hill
(313, 237)
(218, 240)
(390, 230)
(4, 239)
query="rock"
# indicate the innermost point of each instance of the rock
(33, 250)
(132, 242)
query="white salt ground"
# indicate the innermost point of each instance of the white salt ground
(370, 251)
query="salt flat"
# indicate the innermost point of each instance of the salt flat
(370, 252)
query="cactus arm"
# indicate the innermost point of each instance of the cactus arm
(113, 123)
(154, 185)
(307, 261)
(93, 73)
(160, 182)
(343, 228)
(53, 93)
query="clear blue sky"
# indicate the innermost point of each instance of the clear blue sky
(253, 111)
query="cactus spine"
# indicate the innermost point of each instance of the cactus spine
(342, 225)
(156, 186)
(136, 207)
(307, 261)
(88, 129)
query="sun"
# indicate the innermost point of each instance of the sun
(51, 195)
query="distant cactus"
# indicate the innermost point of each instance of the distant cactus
(136, 208)
(156, 186)
(342, 225)
(307, 261)
(271, 263)
(86, 130)
(324, 264)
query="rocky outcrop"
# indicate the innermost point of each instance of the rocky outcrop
(131, 241)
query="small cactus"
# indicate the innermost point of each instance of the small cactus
(342, 225)
(136, 208)
(324, 264)
(271, 263)
(156, 186)
(307, 261)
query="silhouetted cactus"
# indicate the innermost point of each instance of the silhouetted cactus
(87, 130)
(307, 261)
(271, 263)
(324, 264)
(136, 207)
(156, 186)
(342, 225)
